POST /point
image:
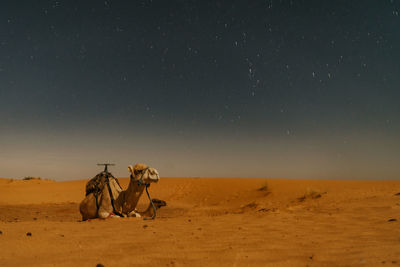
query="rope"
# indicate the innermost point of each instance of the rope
(154, 207)
(111, 197)
(140, 181)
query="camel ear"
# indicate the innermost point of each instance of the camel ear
(130, 168)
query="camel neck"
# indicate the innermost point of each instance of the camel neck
(134, 187)
(133, 193)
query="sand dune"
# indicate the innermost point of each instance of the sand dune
(208, 222)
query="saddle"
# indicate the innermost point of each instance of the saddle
(97, 184)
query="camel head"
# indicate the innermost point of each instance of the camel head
(142, 172)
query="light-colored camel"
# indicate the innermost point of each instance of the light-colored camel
(125, 201)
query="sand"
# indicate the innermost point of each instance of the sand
(208, 222)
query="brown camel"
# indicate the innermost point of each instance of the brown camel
(125, 201)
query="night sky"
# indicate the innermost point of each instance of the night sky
(294, 89)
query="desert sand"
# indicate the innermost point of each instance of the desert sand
(207, 222)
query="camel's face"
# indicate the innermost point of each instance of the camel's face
(142, 171)
(151, 176)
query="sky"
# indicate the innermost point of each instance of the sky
(284, 89)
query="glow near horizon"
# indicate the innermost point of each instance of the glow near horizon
(63, 157)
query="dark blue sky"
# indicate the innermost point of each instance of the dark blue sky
(200, 88)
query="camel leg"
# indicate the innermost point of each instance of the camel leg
(105, 208)
(149, 212)
(104, 214)
(134, 214)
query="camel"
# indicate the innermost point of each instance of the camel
(125, 201)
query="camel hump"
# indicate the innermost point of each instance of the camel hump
(97, 183)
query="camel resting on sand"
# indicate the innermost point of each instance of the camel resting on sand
(123, 202)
